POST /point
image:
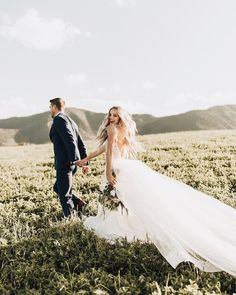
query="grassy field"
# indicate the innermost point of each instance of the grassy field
(41, 253)
(7, 137)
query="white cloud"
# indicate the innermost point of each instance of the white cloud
(17, 106)
(116, 89)
(184, 102)
(103, 105)
(4, 18)
(77, 79)
(124, 3)
(88, 34)
(101, 90)
(33, 30)
(149, 85)
(109, 90)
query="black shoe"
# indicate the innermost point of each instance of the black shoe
(79, 207)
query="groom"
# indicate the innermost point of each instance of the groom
(68, 147)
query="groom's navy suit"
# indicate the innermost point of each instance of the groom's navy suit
(68, 147)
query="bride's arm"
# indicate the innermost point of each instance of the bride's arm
(92, 155)
(110, 142)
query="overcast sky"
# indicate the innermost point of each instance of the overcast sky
(150, 56)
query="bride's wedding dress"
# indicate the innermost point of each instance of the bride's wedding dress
(183, 223)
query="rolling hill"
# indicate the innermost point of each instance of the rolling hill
(218, 117)
(34, 128)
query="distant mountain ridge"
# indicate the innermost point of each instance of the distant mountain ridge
(217, 117)
(34, 128)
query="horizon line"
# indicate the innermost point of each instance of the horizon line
(87, 110)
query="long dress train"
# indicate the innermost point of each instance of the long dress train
(183, 223)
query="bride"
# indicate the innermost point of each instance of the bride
(183, 223)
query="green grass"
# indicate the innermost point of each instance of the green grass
(41, 253)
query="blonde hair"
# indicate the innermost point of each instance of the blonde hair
(127, 124)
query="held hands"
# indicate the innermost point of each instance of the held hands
(81, 163)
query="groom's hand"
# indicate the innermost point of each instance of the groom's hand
(81, 163)
(86, 169)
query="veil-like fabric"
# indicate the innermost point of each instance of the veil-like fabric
(183, 223)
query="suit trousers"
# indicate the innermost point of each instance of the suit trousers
(63, 188)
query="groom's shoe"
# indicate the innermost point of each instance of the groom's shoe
(80, 207)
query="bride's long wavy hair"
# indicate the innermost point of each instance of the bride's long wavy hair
(128, 127)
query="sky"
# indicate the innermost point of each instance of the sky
(160, 57)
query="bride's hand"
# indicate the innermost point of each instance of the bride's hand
(111, 179)
(86, 169)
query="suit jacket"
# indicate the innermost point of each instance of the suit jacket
(67, 142)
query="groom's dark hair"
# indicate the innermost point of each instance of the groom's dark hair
(58, 102)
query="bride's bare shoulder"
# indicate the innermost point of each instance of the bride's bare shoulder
(111, 130)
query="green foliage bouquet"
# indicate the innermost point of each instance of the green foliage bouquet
(108, 197)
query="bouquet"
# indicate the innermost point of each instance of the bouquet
(108, 197)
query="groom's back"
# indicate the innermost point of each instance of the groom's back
(63, 134)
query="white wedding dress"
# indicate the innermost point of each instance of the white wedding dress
(183, 223)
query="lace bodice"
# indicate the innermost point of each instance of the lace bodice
(119, 153)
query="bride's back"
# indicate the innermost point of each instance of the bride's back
(120, 146)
